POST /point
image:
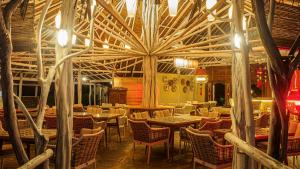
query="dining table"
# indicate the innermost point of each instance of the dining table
(175, 123)
(105, 116)
(27, 137)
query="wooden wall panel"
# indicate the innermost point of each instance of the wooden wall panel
(134, 89)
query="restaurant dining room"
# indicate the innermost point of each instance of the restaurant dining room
(150, 84)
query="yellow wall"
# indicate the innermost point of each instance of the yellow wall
(166, 95)
(134, 86)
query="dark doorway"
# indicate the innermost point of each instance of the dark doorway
(220, 94)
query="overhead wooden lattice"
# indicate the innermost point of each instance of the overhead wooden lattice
(185, 35)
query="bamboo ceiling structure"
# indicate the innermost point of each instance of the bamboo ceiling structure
(185, 35)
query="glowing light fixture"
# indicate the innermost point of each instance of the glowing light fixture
(105, 44)
(244, 23)
(84, 79)
(93, 5)
(173, 5)
(211, 17)
(293, 97)
(131, 6)
(185, 63)
(58, 20)
(74, 37)
(87, 42)
(62, 37)
(230, 12)
(210, 4)
(237, 40)
(127, 46)
(201, 76)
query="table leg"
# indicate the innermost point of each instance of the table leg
(172, 142)
(105, 132)
(118, 128)
(28, 150)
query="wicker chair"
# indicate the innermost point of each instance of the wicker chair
(140, 116)
(122, 120)
(50, 122)
(85, 147)
(78, 108)
(263, 121)
(85, 122)
(144, 134)
(183, 136)
(5, 151)
(209, 153)
(211, 125)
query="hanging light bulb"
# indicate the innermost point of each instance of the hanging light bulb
(210, 17)
(244, 23)
(58, 20)
(62, 37)
(87, 42)
(93, 5)
(173, 5)
(237, 40)
(210, 4)
(74, 37)
(84, 79)
(105, 44)
(230, 10)
(131, 6)
(127, 46)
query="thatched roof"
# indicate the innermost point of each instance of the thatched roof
(180, 36)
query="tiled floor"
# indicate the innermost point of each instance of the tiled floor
(119, 156)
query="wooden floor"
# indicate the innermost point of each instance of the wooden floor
(119, 156)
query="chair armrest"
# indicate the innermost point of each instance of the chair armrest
(224, 152)
(75, 141)
(160, 133)
(101, 124)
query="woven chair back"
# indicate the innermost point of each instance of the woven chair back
(203, 147)
(82, 122)
(85, 150)
(140, 130)
(50, 122)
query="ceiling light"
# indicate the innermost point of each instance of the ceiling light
(58, 20)
(237, 41)
(131, 6)
(105, 44)
(87, 42)
(173, 5)
(127, 46)
(210, 4)
(74, 37)
(62, 37)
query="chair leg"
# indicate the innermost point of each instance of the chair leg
(149, 154)
(194, 164)
(1, 165)
(168, 149)
(133, 150)
(95, 165)
(179, 146)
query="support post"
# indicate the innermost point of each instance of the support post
(90, 93)
(79, 88)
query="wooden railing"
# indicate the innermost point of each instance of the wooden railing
(254, 153)
(36, 161)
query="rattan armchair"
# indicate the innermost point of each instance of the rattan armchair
(86, 122)
(5, 151)
(209, 153)
(144, 134)
(85, 147)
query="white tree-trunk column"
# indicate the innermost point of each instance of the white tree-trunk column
(64, 87)
(150, 81)
(79, 88)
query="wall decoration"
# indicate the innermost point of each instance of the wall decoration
(174, 88)
(185, 89)
(182, 81)
(166, 88)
